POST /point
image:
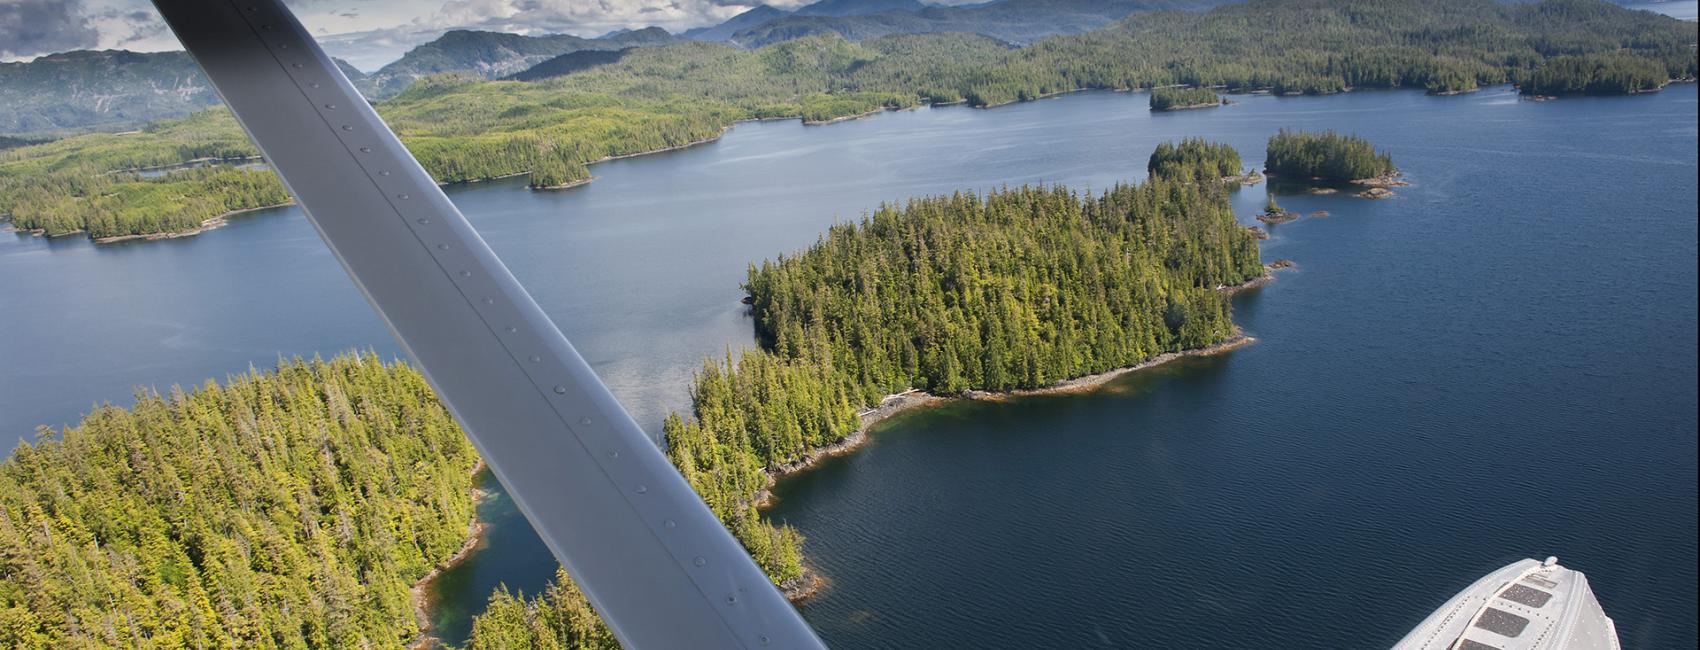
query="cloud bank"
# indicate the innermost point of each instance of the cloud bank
(368, 33)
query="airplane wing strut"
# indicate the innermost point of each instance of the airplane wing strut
(654, 561)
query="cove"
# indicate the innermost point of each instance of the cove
(1497, 363)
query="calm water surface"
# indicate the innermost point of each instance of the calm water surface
(1683, 9)
(1498, 363)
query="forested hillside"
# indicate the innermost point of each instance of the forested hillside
(1013, 21)
(288, 509)
(492, 55)
(73, 92)
(1018, 289)
(106, 90)
(654, 98)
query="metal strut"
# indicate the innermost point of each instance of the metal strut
(653, 560)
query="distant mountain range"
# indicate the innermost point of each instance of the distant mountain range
(1013, 21)
(92, 89)
(493, 55)
(116, 89)
(756, 17)
(106, 89)
(569, 63)
(841, 8)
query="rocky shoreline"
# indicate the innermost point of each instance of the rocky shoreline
(1090, 383)
(1267, 277)
(1188, 107)
(1379, 187)
(421, 589)
(811, 583)
(1249, 178)
(210, 224)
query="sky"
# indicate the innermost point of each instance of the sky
(367, 33)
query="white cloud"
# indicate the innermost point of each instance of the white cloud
(30, 27)
(369, 33)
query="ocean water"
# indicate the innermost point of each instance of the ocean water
(1499, 362)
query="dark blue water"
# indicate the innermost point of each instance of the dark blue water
(1498, 363)
(1683, 9)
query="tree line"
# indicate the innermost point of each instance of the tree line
(1019, 288)
(1612, 73)
(462, 128)
(1326, 155)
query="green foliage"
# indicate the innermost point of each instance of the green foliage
(1195, 159)
(1327, 155)
(1594, 74)
(1173, 98)
(289, 509)
(1018, 289)
(560, 620)
(91, 183)
(1013, 21)
(1294, 46)
(463, 128)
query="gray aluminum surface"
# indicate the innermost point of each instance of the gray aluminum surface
(1526, 605)
(656, 564)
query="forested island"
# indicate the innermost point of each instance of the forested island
(466, 129)
(299, 507)
(1326, 156)
(1018, 289)
(1179, 99)
(1195, 159)
(286, 509)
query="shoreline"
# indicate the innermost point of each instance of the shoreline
(586, 180)
(812, 582)
(420, 591)
(723, 131)
(915, 398)
(212, 223)
(1394, 179)
(1188, 107)
(847, 118)
(1249, 178)
(187, 164)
